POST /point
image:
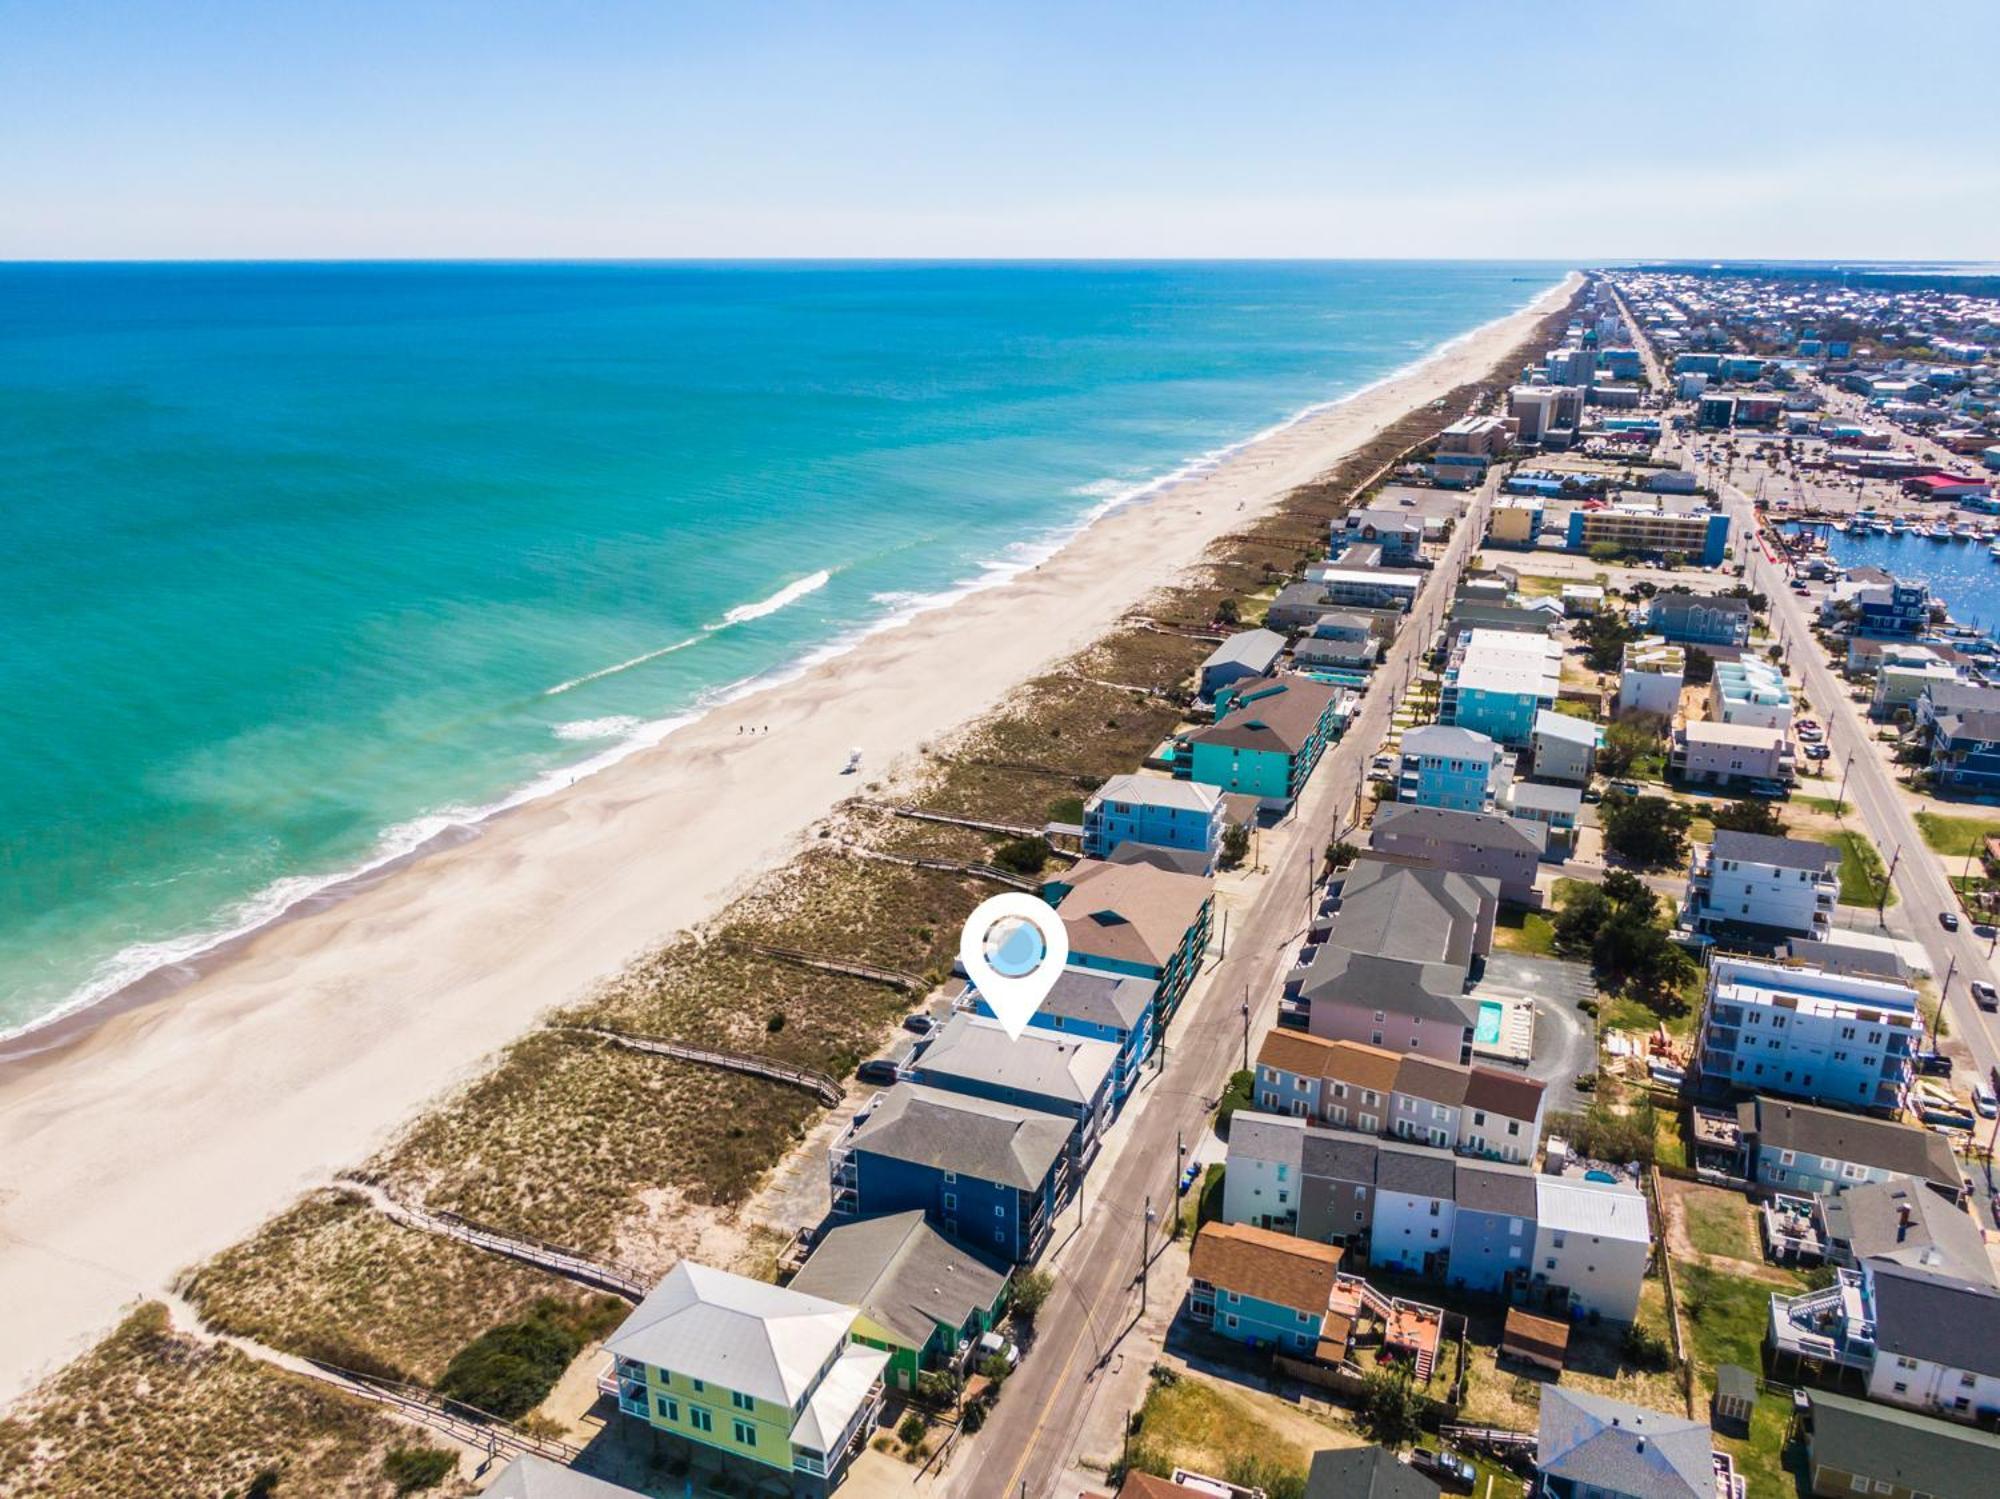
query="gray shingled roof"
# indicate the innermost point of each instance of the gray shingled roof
(1339, 1157)
(1402, 911)
(1269, 1137)
(1060, 1065)
(1924, 1314)
(1479, 829)
(1365, 1473)
(1495, 1187)
(1626, 1449)
(1083, 994)
(1842, 957)
(1868, 1218)
(537, 1478)
(995, 1142)
(1256, 649)
(1880, 1143)
(1448, 740)
(1780, 853)
(1420, 1170)
(1913, 1452)
(903, 1274)
(1429, 991)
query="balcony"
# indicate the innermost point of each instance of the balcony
(1830, 1326)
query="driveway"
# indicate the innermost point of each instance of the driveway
(1565, 1037)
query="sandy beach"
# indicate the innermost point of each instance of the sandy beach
(174, 1127)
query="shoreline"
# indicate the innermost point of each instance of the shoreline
(162, 1132)
(174, 963)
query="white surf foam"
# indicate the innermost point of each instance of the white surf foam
(598, 728)
(790, 594)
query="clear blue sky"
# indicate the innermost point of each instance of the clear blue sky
(245, 128)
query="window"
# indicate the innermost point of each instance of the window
(742, 1401)
(670, 1410)
(700, 1419)
(951, 1202)
(1551, 1264)
(1513, 1126)
(951, 1178)
(1435, 1205)
(1555, 1241)
(999, 1210)
(698, 1386)
(745, 1434)
(1786, 1158)
(1479, 1116)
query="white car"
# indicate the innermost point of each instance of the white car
(1982, 1100)
(991, 1344)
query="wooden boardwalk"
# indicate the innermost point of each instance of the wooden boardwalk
(822, 1085)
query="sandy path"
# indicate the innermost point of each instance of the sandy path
(174, 1129)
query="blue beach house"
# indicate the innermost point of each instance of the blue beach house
(1497, 681)
(1262, 1288)
(1155, 811)
(1457, 769)
(1493, 1230)
(1268, 734)
(1067, 1075)
(1135, 921)
(989, 1175)
(1103, 1007)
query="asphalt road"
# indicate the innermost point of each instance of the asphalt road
(1027, 1442)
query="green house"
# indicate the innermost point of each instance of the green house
(753, 1378)
(1268, 734)
(923, 1299)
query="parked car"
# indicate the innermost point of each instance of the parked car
(1948, 920)
(877, 1070)
(1625, 788)
(1809, 736)
(1982, 1100)
(1933, 1064)
(1817, 752)
(920, 1022)
(1448, 1469)
(1984, 994)
(1592, 794)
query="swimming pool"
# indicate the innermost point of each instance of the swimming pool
(1488, 1032)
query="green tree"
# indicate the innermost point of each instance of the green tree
(1228, 612)
(1031, 1292)
(1391, 1410)
(1579, 920)
(1236, 1096)
(1651, 831)
(1627, 741)
(1340, 855)
(1607, 635)
(1023, 856)
(411, 1470)
(1235, 844)
(1748, 817)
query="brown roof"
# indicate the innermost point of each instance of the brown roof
(1537, 1335)
(1273, 1267)
(1130, 911)
(1295, 1051)
(1362, 1066)
(1284, 718)
(1140, 1485)
(1432, 1080)
(1505, 1093)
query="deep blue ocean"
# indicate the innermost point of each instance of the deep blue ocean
(301, 563)
(1959, 572)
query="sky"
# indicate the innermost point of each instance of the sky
(240, 129)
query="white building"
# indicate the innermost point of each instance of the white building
(1829, 1038)
(1707, 753)
(1415, 1203)
(1756, 880)
(1750, 691)
(1564, 748)
(1592, 1239)
(1262, 1183)
(1651, 678)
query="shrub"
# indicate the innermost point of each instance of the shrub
(1235, 845)
(1236, 1096)
(910, 1430)
(1390, 1408)
(1023, 856)
(1031, 1290)
(508, 1370)
(996, 1368)
(1646, 1348)
(936, 1389)
(410, 1470)
(973, 1417)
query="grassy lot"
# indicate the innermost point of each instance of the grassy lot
(1720, 1223)
(1511, 1398)
(1191, 1423)
(1669, 1145)
(1822, 804)
(1576, 709)
(1725, 1317)
(1524, 931)
(1956, 836)
(331, 1278)
(1861, 871)
(148, 1412)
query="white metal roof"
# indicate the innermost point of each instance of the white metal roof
(1606, 1209)
(734, 1332)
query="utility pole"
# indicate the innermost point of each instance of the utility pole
(1145, 1252)
(1180, 1165)
(1840, 801)
(1246, 1027)
(1887, 880)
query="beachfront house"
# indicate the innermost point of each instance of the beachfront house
(922, 1299)
(987, 1175)
(1496, 681)
(1699, 618)
(1965, 752)
(1480, 845)
(767, 1384)
(1155, 811)
(1108, 1007)
(1454, 768)
(1760, 888)
(1268, 734)
(1136, 921)
(1261, 1288)
(1824, 1037)
(1492, 1226)
(1053, 1071)
(1563, 748)
(1593, 1447)
(1801, 1149)
(1592, 1242)
(1248, 653)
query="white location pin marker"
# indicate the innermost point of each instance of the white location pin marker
(1014, 947)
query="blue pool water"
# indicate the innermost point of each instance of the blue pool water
(302, 563)
(1488, 1030)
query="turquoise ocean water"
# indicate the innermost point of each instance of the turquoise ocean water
(300, 564)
